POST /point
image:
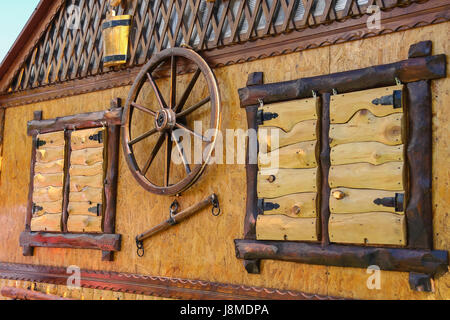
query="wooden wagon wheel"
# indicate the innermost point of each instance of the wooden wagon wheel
(168, 117)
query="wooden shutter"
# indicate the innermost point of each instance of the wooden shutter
(85, 209)
(288, 195)
(367, 167)
(48, 182)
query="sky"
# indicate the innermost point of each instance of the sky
(15, 15)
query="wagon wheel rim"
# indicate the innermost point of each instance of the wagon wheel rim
(168, 118)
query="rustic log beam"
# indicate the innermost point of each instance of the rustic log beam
(419, 211)
(410, 70)
(28, 251)
(421, 282)
(23, 294)
(109, 225)
(325, 164)
(433, 263)
(420, 49)
(78, 122)
(253, 266)
(104, 242)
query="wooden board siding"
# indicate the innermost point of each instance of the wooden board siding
(137, 209)
(85, 208)
(286, 182)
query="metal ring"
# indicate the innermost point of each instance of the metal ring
(140, 248)
(216, 207)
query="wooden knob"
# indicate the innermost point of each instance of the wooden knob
(339, 195)
(271, 179)
(296, 210)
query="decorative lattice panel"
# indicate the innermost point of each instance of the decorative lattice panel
(69, 50)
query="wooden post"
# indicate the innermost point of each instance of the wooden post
(325, 164)
(252, 266)
(111, 178)
(419, 211)
(28, 251)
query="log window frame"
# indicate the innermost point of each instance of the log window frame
(108, 242)
(418, 257)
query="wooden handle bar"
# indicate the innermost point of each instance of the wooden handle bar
(23, 294)
(180, 217)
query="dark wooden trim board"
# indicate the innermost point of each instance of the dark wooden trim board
(399, 19)
(174, 288)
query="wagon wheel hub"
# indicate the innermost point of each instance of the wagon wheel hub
(165, 119)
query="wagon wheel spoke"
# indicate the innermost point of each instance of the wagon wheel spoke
(188, 91)
(182, 154)
(143, 109)
(144, 136)
(153, 154)
(195, 134)
(168, 159)
(173, 85)
(161, 101)
(194, 107)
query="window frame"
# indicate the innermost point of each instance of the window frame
(418, 256)
(107, 241)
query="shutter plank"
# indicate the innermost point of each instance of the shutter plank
(79, 223)
(375, 153)
(286, 228)
(344, 106)
(365, 127)
(374, 228)
(287, 181)
(388, 176)
(290, 113)
(47, 222)
(87, 157)
(360, 200)
(84, 139)
(301, 132)
(299, 155)
(300, 205)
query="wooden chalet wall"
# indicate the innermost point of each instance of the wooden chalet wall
(203, 247)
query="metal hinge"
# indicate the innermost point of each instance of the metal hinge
(262, 116)
(392, 202)
(97, 210)
(394, 99)
(40, 143)
(97, 137)
(267, 206)
(36, 208)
